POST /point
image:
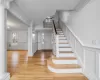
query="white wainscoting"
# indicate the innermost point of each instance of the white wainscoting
(17, 46)
(88, 56)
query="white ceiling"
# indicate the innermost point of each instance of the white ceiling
(38, 10)
(14, 23)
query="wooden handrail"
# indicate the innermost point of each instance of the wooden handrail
(54, 27)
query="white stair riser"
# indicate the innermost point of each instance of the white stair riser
(64, 61)
(58, 29)
(77, 70)
(66, 55)
(63, 41)
(62, 37)
(60, 33)
(65, 49)
(64, 45)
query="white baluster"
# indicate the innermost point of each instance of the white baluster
(57, 45)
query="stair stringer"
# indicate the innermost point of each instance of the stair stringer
(75, 53)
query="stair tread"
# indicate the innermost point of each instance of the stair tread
(63, 43)
(65, 58)
(70, 74)
(59, 31)
(64, 47)
(62, 39)
(61, 34)
(63, 66)
(65, 52)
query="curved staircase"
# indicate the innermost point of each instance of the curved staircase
(64, 61)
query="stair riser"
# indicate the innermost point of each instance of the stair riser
(66, 55)
(63, 41)
(60, 33)
(65, 61)
(65, 49)
(78, 70)
(62, 38)
(58, 29)
(64, 45)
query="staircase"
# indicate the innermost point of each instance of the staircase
(64, 61)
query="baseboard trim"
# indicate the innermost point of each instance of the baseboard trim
(79, 60)
(17, 50)
(30, 56)
(90, 76)
(79, 70)
(6, 76)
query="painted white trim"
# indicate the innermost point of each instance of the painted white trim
(65, 49)
(6, 76)
(84, 45)
(90, 76)
(64, 61)
(57, 45)
(79, 60)
(64, 45)
(78, 70)
(66, 55)
(75, 35)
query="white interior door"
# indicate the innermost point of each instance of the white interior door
(47, 41)
(44, 40)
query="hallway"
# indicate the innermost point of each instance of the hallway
(34, 68)
(50, 40)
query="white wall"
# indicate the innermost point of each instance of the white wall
(22, 40)
(86, 22)
(34, 42)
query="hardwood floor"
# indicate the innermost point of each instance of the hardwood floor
(23, 67)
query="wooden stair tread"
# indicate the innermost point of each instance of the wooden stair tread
(60, 32)
(62, 39)
(66, 58)
(63, 66)
(61, 35)
(70, 75)
(64, 47)
(65, 52)
(63, 43)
